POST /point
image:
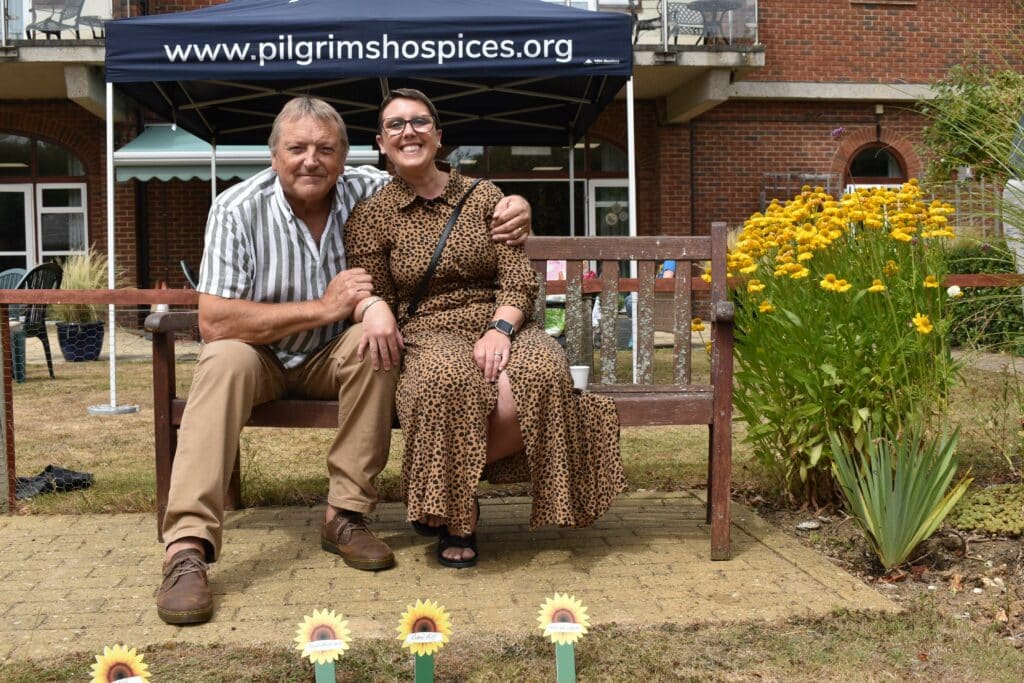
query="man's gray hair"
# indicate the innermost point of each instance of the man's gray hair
(308, 107)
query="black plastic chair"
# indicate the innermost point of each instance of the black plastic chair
(9, 279)
(33, 316)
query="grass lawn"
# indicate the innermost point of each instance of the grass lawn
(926, 641)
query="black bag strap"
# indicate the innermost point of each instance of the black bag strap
(421, 290)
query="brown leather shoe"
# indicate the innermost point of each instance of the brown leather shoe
(184, 596)
(347, 535)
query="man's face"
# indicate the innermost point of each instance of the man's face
(308, 158)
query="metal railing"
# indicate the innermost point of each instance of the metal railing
(41, 20)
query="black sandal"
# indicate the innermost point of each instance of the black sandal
(448, 540)
(425, 529)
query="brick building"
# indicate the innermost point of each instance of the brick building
(732, 109)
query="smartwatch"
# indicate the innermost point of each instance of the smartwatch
(503, 326)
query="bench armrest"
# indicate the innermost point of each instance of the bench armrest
(171, 321)
(723, 312)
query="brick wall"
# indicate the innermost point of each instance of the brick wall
(845, 41)
(64, 123)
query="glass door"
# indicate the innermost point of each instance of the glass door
(609, 208)
(17, 227)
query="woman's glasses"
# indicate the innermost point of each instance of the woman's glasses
(420, 124)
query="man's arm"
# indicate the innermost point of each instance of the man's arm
(510, 222)
(265, 323)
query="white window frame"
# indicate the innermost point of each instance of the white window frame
(41, 210)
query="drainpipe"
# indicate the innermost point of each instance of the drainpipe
(693, 183)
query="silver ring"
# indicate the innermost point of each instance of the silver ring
(497, 355)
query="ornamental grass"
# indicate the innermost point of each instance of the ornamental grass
(841, 321)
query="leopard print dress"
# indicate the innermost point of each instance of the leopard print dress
(571, 456)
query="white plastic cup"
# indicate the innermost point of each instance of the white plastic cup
(580, 376)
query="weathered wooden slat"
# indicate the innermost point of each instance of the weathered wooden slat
(615, 248)
(984, 280)
(574, 312)
(682, 305)
(643, 345)
(127, 296)
(609, 301)
(625, 284)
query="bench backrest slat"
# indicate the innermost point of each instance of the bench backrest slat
(682, 315)
(609, 315)
(644, 311)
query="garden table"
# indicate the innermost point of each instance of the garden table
(713, 14)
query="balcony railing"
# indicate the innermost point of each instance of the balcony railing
(661, 24)
(41, 20)
(657, 24)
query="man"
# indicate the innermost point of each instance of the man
(274, 298)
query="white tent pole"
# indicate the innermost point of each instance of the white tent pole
(111, 334)
(112, 408)
(631, 163)
(213, 170)
(572, 186)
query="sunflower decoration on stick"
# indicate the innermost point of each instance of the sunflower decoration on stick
(323, 637)
(424, 629)
(118, 663)
(564, 619)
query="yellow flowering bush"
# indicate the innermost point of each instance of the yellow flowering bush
(840, 322)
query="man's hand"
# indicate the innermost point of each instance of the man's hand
(511, 221)
(348, 288)
(381, 337)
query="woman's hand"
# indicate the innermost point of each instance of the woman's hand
(381, 337)
(491, 353)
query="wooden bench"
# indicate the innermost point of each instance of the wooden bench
(681, 402)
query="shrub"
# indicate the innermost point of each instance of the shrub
(840, 321)
(898, 489)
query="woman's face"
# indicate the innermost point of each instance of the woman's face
(409, 136)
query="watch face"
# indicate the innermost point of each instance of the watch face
(503, 326)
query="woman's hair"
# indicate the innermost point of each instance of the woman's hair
(408, 94)
(308, 107)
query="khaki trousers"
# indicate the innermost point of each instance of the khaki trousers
(230, 378)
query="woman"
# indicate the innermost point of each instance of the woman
(483, 392)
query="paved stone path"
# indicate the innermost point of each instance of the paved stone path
(78, 583)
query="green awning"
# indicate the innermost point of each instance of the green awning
(166, 152)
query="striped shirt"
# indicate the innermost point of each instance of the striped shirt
(256, 249)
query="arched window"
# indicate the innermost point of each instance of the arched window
(43, 211)
(876, 164)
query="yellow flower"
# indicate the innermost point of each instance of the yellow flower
(707, 347)
(842, 286)
(876, 286)
(891, 268)
(563, 619)
(117, 663)
(766, 307)
(697, 325)
(706, 277)
(922, 323)
(803, 272)
(900, 236)
(931, 283)
(754, 286)
(323, 636)
(828, 283)
(424, 627)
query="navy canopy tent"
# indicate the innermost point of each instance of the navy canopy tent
(500, 71)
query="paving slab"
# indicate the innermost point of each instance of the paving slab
(647, 561)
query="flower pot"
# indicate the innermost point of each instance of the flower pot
(80, 341)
